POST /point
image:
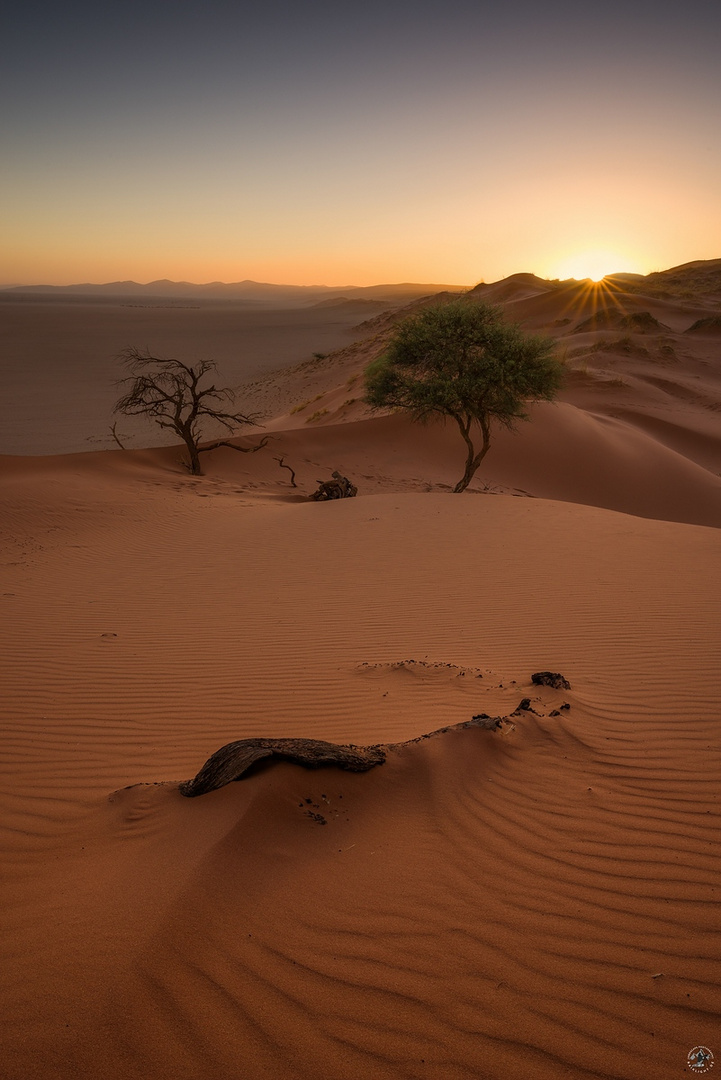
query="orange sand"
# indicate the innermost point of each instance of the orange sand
(541, 904)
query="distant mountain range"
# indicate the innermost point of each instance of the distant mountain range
(703, 275)
(252, 292)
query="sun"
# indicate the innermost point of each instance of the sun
(595, 264)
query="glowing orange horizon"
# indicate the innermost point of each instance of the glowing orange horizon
(354, 268)
(596, 264)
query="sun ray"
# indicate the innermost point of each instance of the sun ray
(589, 278)
(588, 298)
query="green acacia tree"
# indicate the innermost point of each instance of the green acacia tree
(463, 360)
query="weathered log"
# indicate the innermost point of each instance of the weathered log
(232, 761)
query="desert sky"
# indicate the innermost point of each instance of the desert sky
(351, 144)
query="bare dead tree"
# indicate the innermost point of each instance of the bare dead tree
(172, 394)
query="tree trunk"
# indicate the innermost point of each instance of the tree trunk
(194, 465)
(473, 459)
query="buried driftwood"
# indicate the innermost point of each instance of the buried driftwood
(339, 487)
(234, 759)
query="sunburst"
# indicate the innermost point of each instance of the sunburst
(589, 286)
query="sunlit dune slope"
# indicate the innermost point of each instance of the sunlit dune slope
(638, 421)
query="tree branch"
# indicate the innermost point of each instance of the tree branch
(113, 428)
(241, 449)
(281, 462)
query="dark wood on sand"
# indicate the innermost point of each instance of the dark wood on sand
(234, 759)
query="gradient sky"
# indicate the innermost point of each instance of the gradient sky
(352, 144)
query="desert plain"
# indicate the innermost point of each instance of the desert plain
(536, 901)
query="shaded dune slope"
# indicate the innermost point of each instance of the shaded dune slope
(460, 907)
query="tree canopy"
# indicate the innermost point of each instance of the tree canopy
(463, 360)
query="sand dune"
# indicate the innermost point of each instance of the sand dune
(633, 370)
(536, 901)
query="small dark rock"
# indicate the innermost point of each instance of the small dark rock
(525, 703)
(565, 705)
(550, 678)
(554, 712)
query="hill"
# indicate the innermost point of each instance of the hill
(245, 292)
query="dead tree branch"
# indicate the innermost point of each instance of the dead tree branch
(241, 449)
(115, 435)
(281, 462)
